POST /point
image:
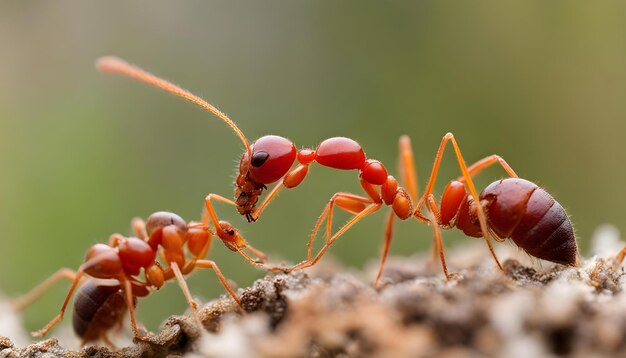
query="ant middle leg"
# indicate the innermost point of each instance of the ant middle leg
(482, 218)
(351, 203)
(369, 209)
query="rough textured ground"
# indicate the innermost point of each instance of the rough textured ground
(524, 311)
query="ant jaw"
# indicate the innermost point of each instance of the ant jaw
(231, 245)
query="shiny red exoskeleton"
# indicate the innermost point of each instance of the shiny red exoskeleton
(270, 160)
(99, 305)
(516, 209)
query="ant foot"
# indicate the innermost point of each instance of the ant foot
(454, 277)
(142, 335)
(278, 269)
(39, 333)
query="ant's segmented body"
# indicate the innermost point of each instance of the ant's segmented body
(512, 208)
(98, 308)
(100, 305)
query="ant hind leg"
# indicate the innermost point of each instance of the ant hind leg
(34, 294)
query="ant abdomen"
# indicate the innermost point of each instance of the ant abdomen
(527, 214)
(97, 308)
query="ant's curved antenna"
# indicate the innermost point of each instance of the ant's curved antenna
(111, 64)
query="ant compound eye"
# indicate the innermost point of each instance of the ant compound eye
(230, 232)
(259, 158)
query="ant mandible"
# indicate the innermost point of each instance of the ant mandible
(99, 306)
(510, 208)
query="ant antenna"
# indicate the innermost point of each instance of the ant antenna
(111, 64)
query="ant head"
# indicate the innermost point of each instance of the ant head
(230, 236)
(161, 219)
(271, 158)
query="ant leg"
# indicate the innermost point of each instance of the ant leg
(350, 203)
(59, 317)
(372, 208)
(619, 258)
(115, 239)
(209, 214)
(30, 297)
(292, 179)
(213, 266)
(480, 165)
(406, 164)
(432, 204)
(139, 227)
(438, 241)
(130, 302)
(386, 244)
(470, 183)
(258, 253)
(106, 341)
(183, 286)
(270, 196)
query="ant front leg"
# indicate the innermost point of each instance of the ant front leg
(359, 205)
(449, 137)
(230, 236)
(292, 179)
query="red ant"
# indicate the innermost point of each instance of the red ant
(101, 305)
(510, 208)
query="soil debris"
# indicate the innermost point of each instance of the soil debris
(522, 311)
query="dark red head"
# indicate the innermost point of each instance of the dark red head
(271, 158)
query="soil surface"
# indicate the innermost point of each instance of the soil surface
(526, 310)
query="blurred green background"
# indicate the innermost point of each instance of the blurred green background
(541, 83)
